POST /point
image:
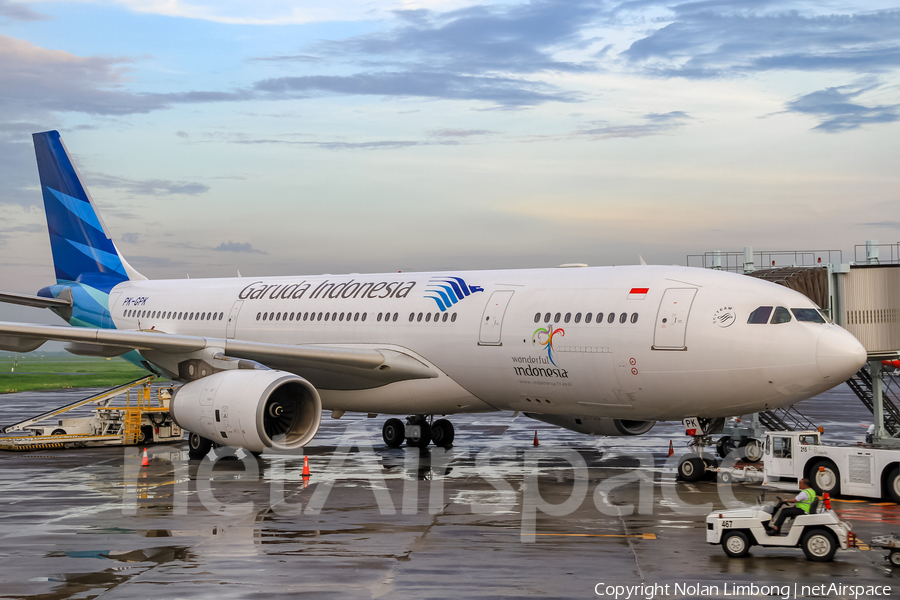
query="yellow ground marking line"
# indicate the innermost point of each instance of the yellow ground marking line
(848, 501)
(885, 504)
(644, 536)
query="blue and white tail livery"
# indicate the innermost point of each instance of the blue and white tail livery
(604, 350)
(87, 263)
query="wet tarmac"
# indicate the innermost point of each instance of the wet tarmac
(493, 517)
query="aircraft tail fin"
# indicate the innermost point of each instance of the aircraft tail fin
(82, 248)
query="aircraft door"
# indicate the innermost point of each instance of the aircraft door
(492, 319)
(232, 319)
(672, 318)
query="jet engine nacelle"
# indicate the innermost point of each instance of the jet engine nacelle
(250, 409)
(596, 425)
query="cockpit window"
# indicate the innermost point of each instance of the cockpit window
(808, 315)
(760, 316)
(781, 316)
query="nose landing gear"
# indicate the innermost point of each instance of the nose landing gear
(418, 432)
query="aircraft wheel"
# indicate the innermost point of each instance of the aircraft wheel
(724, 446)
(819, 545)
(691, 469)
(393, 433)
(736, 544)
(419, 439)
(442, 433)
(198, 446)
(893, 485)
(825, 477)
(751, 450)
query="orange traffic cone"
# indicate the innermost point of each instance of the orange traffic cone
(536, 442)
(145, 462)
(671, 449)
(305, 466)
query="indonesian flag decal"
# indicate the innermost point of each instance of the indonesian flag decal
(638, 293)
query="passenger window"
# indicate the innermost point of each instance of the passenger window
(547, 318)
(537, 318)
(341, 318)
(453, 318)
(578, 317)
(445, 317)
(557, 317)
(437, 316)
(634, 317)
(180, 316)
(782, 315)
(599, 318)
(319, 318)
(278, 316)
(419, 318)
(291, 318)
(356, 316)
(412, 317)
(258, 316)
(808, 315)
(623, 317)
(428, 318)
(587, 318)
(611, 318)
(363, 318)
(568, 317)
(395, 317)
(305, 315)
(327, 316)
(760, 316)
(378, 318)
(334, 316)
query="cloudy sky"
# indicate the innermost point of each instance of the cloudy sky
(283, 137)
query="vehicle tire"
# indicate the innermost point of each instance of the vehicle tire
(894, 558)
(59, 432)
(893, 485)
(691, 469)
(723, 446)
(442, 433)
(736, 544)
(825, 477)
(751, 450)
(819, 545)
(145, 435)
(725, 477)
(198, 446)
(424, 438)
(392, 432)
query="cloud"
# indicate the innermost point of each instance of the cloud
(130, 238)
(19, 12)
(885, 224)
(656, 124)
(715, 39)
(287, 58)
(503, 91)
(237, 247)
(488, 38)
(837, 111)
(460, 133)
(147, 187)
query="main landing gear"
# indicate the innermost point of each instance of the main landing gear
(418, 432)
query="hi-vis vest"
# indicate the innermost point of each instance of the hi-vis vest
(806, 504)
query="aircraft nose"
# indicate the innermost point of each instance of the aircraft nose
(839, 355)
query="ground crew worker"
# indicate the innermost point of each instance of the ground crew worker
(803, 503)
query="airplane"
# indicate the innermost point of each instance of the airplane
(599, 350)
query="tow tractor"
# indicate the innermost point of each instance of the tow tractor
(857, 470)
(137, 422)
(819, 533)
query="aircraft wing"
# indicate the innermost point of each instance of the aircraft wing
(331, 366)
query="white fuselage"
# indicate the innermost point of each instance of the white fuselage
(683, 348)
